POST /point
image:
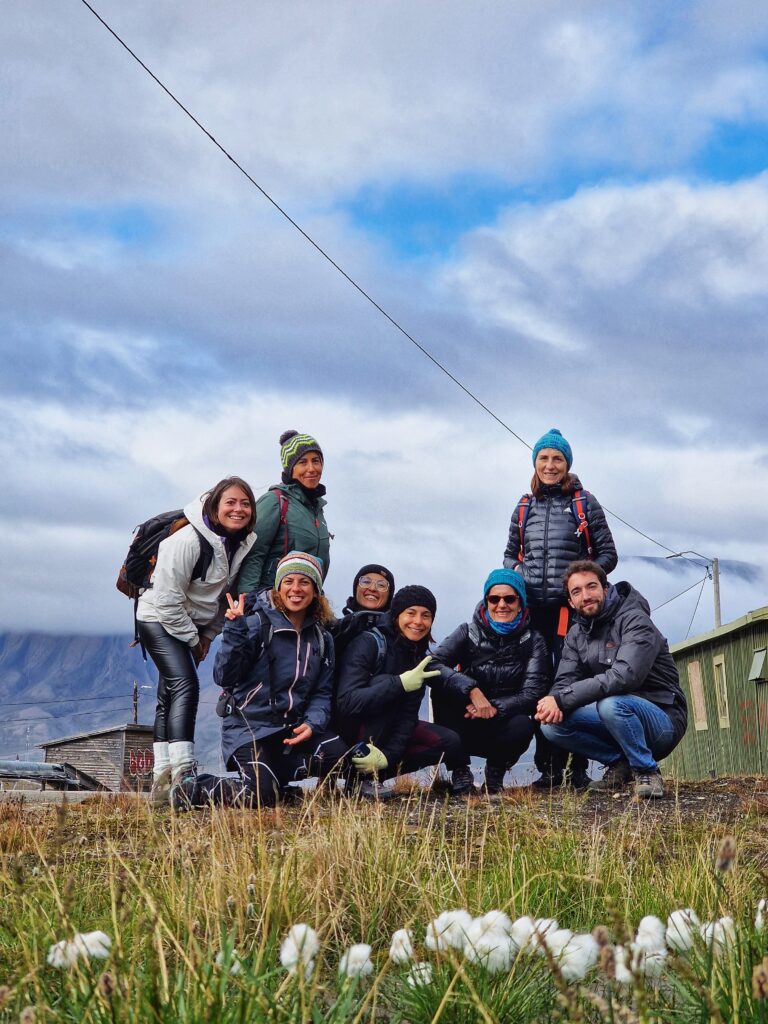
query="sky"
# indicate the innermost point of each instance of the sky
(565, 203)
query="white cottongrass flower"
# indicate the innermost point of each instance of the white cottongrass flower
(542, 927)
(401, 948)
(497, 921)
(556, 940)
(623, 974)
(356, 962)
(577, 956)
(448, 930)
(651, 934)
(492, 948)
(719, 934)
(682, 928)
(649, 962)
(762, 906)
(420, 974)
(300, 946)
(521, 931)
(89, 945)
(235, 965)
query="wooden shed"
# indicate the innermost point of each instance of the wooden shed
(724, 674)
(120, 758)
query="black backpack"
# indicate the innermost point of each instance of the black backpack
(136, 571)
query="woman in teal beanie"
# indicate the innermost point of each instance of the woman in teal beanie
(490, 699)
(557, 523)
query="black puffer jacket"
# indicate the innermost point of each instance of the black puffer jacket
(512, 670)
(371, 703)
(619, 652)
(551, 543)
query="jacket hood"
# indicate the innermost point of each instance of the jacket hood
(194, 513)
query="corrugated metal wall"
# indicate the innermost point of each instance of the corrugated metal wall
(728, 715)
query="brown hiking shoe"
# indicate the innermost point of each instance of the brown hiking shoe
(616, 777)
(648, 785)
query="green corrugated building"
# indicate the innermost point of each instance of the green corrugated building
(725, 678)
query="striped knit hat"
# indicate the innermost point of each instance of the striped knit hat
(303, 564)
(292, 446)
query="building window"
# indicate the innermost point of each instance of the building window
(721, 691)
(697, 696)
(757, 673)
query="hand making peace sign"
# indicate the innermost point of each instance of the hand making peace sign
(236, 609)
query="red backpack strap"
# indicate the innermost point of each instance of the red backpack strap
(282, 507)
(523, 508)
(579, 509)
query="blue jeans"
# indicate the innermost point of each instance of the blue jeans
(616, 727)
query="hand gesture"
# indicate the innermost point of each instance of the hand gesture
(414, 677)
(372, 762)
(301, 734)
(480, 706)
(236, 609)
(548, 712)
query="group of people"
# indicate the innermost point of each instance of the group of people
(552, 651)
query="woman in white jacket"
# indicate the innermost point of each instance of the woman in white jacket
(182, 611)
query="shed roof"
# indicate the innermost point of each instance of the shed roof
(128, 727)
(758, 615)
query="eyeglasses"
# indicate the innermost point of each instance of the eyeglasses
(494, 599)
(366, 581)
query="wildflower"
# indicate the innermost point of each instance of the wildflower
(27, 1015)
(356, 962)
(448, 930)
(492, 949)
(235, 966)
(649, 962)
(726, 855)
(762, 906)
(401, 948)
(719, 934)
(65, 953)
(623, 974)
(420, 974)
(650, 934)
(682, 928)
(601, 935)
(556, 940)
(577, 956)
(497, 921)
(760, 980)
(521, 931)
(542, 927)
(300, 946)
(250, 910)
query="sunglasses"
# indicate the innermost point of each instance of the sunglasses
(494, 599)
(366, 581)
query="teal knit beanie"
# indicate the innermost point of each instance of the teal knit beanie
(554, 439)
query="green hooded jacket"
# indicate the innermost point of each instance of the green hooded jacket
(307, 532)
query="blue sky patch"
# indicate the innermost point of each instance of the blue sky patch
(734, 151)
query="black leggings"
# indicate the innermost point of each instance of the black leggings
(501, 741)
(178, 688)
(266, 766)
(428, 744)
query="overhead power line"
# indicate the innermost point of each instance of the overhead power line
(347, 277)
(671, 599)
(65, 700)
(59, 718)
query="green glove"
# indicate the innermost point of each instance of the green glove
(414, 677)
(372, 762)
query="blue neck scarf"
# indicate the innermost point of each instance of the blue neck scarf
(505, 628)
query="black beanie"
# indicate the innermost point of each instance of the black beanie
(382, 571)
(407, 597)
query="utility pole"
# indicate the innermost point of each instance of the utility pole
(716, 589)
(135, 701)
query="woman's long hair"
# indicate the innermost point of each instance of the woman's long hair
(319, 611)
(568, 485)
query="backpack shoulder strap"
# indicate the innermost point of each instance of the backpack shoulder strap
(204, 559)
(523, 510)
(282, 507)
(579, 507)
(381, 648)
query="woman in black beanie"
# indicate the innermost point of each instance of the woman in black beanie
(289, 517)
(372, 590)
(381, 685)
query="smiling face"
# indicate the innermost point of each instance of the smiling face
(372, 591)
(586, 594)
(234, 511)
(551, 466)
(415, 623)
(297, 592)
(308, 470)
(502, 602)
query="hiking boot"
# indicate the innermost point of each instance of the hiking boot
(372, 789)
(648, 785)
(494, 778)
(462, 782)
(577, 779)
(616, 777)
(160, 794)
(183, 795)
(548, 780)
